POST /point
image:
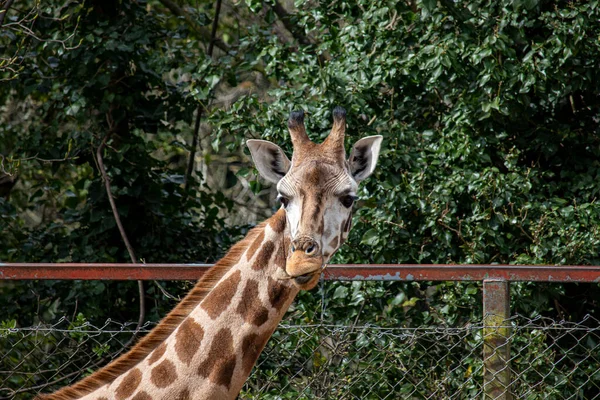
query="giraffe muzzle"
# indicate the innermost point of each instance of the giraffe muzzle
(304, 267)
(302, 262)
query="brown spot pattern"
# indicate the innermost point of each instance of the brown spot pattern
(102, 398)
(189, 337)
(219, 298)
(315, 174)
(278, 221)
(163, 374)
(264, 255)
(287, 243)
(278, 293)
(280, 256)
(128, 384)
(183, 395)
(250, 307)
(157, 353)
(321, 226)
(252, 345)
(348, 224)
(220, 362)
(255, 245)
(317, 203)
(334, 242)
(142, 396)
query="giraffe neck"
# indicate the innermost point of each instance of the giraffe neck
(211, 350)
(222, 338)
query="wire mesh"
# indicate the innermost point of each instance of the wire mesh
(548, 360)
(44, 357)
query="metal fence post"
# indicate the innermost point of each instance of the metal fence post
(496, 340)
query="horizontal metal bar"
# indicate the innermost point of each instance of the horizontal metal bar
(444, 272)
(102, 271)
(338, 272)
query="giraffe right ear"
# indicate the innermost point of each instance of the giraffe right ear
(270, 160)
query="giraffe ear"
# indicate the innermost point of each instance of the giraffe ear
(363, 158)
(270, 160)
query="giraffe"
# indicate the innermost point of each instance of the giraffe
(206, 347)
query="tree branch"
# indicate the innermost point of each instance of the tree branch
(4, 10)
(190, 165)
(113, 206)
(209, 53)
(200, 30)
(286, 19)
(111, 199)
(296, 31)
(213, 33)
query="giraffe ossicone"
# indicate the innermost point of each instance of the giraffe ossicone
(206, 346)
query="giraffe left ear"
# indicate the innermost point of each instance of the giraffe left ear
(270, 160)
(363, 158)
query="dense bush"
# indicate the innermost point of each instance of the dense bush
(489, 111)
(110, 77)
(490, 116)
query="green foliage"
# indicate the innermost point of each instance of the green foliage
(489, 112)
(490, 127)
(120, 75)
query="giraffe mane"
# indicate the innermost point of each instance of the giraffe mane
(161, 332)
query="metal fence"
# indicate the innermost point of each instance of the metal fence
(500, 357)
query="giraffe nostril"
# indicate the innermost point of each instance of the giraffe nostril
(307, 245)
(311, 249)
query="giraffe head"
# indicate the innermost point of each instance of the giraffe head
(317, 189)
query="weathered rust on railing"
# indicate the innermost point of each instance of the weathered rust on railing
(336, 272)
(496, 282)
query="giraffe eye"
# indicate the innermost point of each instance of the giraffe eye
(347, 201)
(283, 200)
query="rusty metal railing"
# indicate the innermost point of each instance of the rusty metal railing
(496, 295)
(335, 272)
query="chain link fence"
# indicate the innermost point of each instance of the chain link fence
(548, 360)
